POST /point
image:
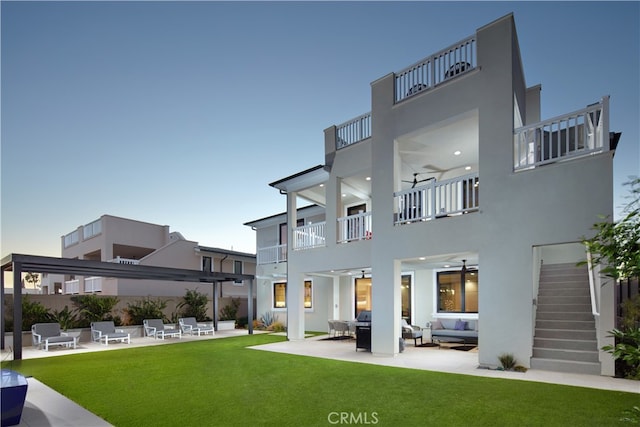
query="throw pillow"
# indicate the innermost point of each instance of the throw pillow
(436, 325)
(460, 325)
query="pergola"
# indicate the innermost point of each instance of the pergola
(18, 263)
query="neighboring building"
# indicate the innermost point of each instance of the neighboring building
(127, 241)
(451, 199)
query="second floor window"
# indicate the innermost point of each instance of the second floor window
(207, 264)
(237, 269)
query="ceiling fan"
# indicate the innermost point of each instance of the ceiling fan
(416, 180)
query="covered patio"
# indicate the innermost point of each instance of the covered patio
(18, 264)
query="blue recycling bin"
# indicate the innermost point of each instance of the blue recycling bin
(14, 393)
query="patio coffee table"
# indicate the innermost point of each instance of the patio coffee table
(448, 340)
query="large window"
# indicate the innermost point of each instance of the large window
(280, 295)
(363, 294)
(405, 295)
(458, 291)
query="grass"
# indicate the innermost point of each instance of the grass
(221, 382)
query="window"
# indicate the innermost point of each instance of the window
(280, 295)
(458, 292)
(308, 294)
(405, 295)
(237, 269)
(92, 229)
(207, 264)
(363, 294)
(71, 238)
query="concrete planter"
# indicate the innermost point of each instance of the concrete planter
(226, 325)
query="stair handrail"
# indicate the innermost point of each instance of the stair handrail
(594, 282)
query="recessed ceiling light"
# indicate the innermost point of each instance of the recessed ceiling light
(321, 185)
(368, 178)
(422, 258)
(344, 195)
(467, 168)
(447, 266)
(457, 153)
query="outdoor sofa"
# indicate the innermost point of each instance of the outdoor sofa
(464, 329)
(49, 334)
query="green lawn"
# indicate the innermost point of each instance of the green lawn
(222, 383)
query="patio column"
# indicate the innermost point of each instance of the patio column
(250, 307)
(17, 311)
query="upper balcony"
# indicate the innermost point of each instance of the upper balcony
(580, 133)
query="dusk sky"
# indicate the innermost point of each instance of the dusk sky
(182, 113)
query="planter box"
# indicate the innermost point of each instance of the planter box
(226, 325)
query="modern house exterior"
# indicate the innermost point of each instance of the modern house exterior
(127, 241)
(452, 199)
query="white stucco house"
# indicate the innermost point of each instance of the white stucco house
(128, 241)
(452, 199)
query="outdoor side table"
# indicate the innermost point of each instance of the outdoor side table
(14, 393)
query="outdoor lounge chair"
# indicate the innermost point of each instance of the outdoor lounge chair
(106, 331)
(49, 334)
(155, 328)
(188, 325)
(411, 332)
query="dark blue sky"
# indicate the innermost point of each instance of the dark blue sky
(182, 113)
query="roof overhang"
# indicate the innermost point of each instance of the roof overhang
(302, 180)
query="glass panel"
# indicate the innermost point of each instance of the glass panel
(279, 295)
(453, 297)
(307, 294)
(405, 293)
(363, 295)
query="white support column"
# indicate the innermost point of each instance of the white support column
(295, 306)
(335, 306)
(386, 308)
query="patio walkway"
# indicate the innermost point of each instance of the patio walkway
(47, 408)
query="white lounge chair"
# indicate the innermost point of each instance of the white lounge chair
(155, 328)
(49, 334)
(189, 325)
(106, 331)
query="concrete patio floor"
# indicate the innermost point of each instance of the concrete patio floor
(45, 407)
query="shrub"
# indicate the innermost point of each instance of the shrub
(229, 311)
(276, 327)
(194, 304)
(93, 308)
(145, 309)
(507, 361)
(33, 312)
(627, 350)
(68, 319)
(267, 319)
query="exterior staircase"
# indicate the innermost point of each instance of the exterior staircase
(565, 330)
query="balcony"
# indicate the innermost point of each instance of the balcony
(354, 227)
(272, 254)
(449, 63)
(120, 260)
(309, 236)
(72, 286)
(438, 199)
(92, 284)
(581, 133)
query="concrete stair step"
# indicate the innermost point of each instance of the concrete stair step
(562, 315)
(567, 334)
(564, 299)
(588, 368)
(561, 354)
(564, 308)
(576, 325)
(561, 344)
(564, 292)
(562, 284)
